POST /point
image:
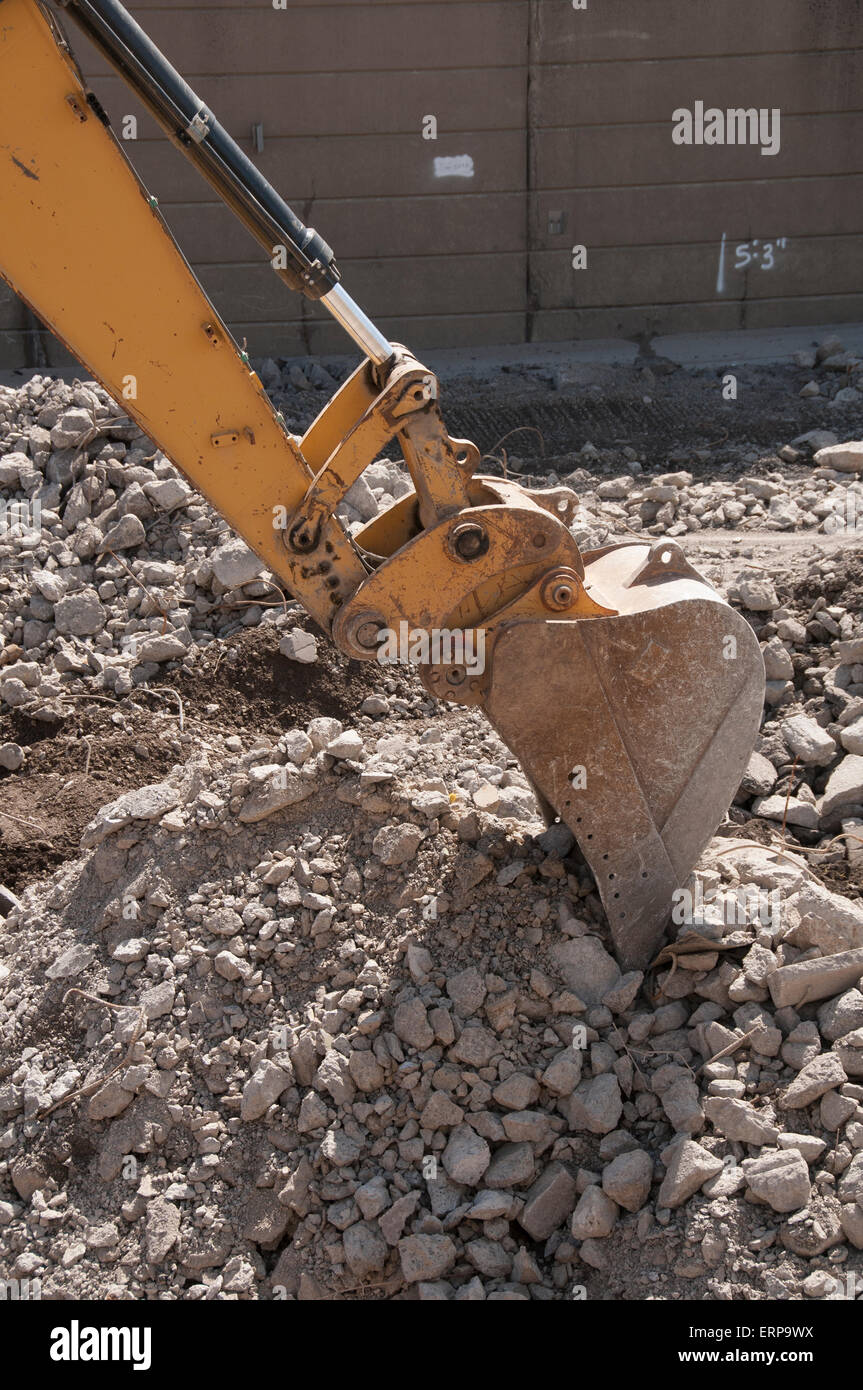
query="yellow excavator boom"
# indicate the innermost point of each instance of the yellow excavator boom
(629, 690)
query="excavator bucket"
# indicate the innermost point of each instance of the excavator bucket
(635, 729)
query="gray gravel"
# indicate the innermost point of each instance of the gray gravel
(349, 1024)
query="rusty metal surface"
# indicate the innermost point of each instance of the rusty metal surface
(656, 722)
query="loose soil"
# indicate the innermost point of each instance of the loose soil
(244, 687)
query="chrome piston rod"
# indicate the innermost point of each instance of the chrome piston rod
(359, 327)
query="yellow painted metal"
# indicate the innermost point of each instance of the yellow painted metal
(441, 481)
(340, 414)
(393, 528)
(115, 288)
(362, 437)
(359, 422)
(425, 580)
(532, 602)
(83, 245)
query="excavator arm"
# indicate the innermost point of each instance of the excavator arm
(628, 689)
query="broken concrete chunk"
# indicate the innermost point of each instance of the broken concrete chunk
(595, 1215)
(466, 1156)
(845, 786)
(779, 1177)
(849, 1051)
(171, 647)
(80, 615)
(147, 803)
(126, 534)
(298, 645)
(587, 968)
(71, 962)
(739, 1121)
(548, 1202)
(844, 458)
(425, 1257)
(263, 1087)
(689, 1166)
(283, 787)
(757, 594)
(161, 1229)
(396, 844)
(805, 981)
(822, 1074)
(827, 920)
(807, 740)
(596, 1105)
(627, 1179)
(235, 564)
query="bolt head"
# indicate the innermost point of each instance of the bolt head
(366, 635)
(469, 541)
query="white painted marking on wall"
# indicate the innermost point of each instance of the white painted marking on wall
(720, 278)
(453, 166)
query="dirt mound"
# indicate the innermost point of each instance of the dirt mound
(99, 750)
